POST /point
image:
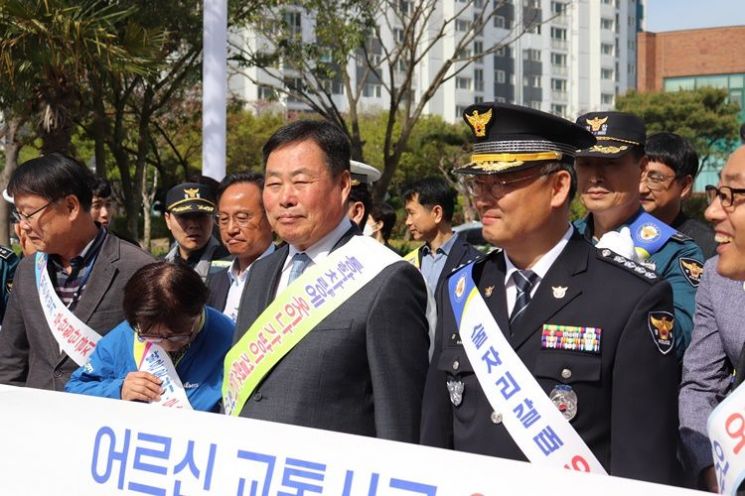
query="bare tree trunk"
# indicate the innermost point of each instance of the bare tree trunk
(12, 149)
(148, 197)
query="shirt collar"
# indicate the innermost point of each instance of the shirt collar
(88, 253)
(235, 275)
(323, 246)
(544, 263)
(444, 248)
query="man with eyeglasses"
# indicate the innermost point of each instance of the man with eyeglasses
(69, 293)
(190, 209)
(544, 348)
(245, 231)
(715, 352)
(667, 180)
(609, 174)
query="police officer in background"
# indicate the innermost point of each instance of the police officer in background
(190, 209)
(359, 202)
(608, 175)
(8, 263)
(587, 324)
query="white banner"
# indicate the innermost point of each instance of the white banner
(726, 427)
(122, 447)
(72, 334)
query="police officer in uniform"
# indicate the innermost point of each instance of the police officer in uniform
(190, 210)
(359, 202)
(548, 289)
(608, 174)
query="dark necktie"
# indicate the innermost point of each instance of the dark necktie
(524, 281)
(299, 262)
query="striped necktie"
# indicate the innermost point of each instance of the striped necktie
(299, 262)
(524, 281)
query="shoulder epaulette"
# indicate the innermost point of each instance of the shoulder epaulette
(680, 237)
(6, 253)
(630, 266)
(476, 259)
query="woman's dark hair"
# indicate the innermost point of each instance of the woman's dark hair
(387, 214)
(52, 177)
(163, 293)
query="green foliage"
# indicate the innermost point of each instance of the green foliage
(247, 133)
(703, 116)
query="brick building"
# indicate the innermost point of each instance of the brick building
(692, 58)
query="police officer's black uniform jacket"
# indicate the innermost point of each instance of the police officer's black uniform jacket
(626, 393)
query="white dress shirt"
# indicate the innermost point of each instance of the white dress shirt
(316, 252)
(237, 280)
(540, 268)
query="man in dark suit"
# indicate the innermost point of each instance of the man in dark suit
(245, 232)
(361, 370)
(88, 269)
(590, 326)
(430, 204)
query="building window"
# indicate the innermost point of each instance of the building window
(558, 33)
(267, 92)
(559, 110)
(559, 59)
(558, 8)
(500, 99)
(606, 73)
(532, 4)
(293, 21)
(503, 51)
(463, 83)
(532, 81)
(534, 28)
(500, 22)
(478, 47)
(500, 76)
(371, 90)
(606, 48)
(460, 109)
(559, 85)
(398, 35)
(532, 54)
(478, 99)
(606, 99)
(535, 104)
(478, 80)
(606, 24)
(462, 25)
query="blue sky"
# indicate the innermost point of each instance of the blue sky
(671, 15)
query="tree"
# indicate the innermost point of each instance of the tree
(357, 43)
(704, 116)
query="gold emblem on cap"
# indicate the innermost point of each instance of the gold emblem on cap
(191, 193)
(595, 123)
(608, 149)
(478, 122)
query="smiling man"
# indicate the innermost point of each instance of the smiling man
(361, 368)
(69, 293)
(608, 174)
(189, 216)
(716, 349)
(245, 231)
(548, 326)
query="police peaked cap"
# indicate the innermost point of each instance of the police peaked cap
(617, 133)
(510, 137)
(188, 198)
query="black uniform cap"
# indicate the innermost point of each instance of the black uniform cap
(617, 133)
(509, 137)
(190, 197)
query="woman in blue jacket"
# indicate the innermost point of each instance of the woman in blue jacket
(164, 304)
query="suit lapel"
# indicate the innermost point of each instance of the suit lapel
(551, 295)
(99, 280)
(489, 277)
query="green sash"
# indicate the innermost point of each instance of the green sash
(312, 297)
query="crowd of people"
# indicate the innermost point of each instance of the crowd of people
(624, 322)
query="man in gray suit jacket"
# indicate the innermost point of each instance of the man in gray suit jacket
(718, 334)
(87, 266)
(361, 370)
